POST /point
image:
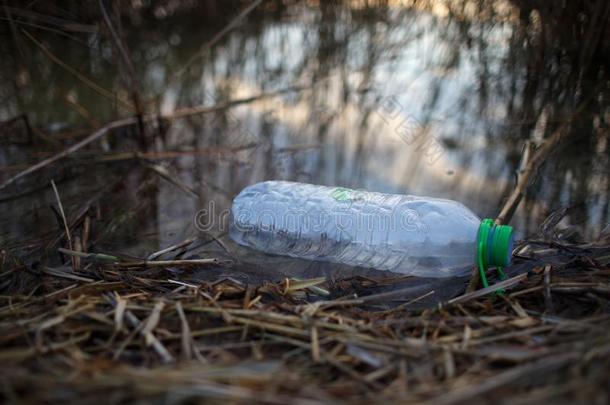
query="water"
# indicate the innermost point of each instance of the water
(420, 236)
(427, 98)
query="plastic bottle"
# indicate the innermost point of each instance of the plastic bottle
(420, 236)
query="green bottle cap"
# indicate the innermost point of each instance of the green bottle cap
(494, 245)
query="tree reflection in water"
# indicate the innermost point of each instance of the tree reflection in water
(478, 78)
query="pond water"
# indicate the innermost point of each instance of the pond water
(425, 97)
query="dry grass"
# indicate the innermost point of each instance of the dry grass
(134, 332)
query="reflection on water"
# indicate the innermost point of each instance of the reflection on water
(424, 97)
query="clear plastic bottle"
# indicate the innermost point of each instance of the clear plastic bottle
(420, 236)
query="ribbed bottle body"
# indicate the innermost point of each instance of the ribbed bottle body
(406, 234)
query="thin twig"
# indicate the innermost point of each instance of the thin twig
(208, 45)
(548, 299)
(161, 252)
(100, 90)
(180, 113)
(492, 288)
(165, 263)
(63, 217)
